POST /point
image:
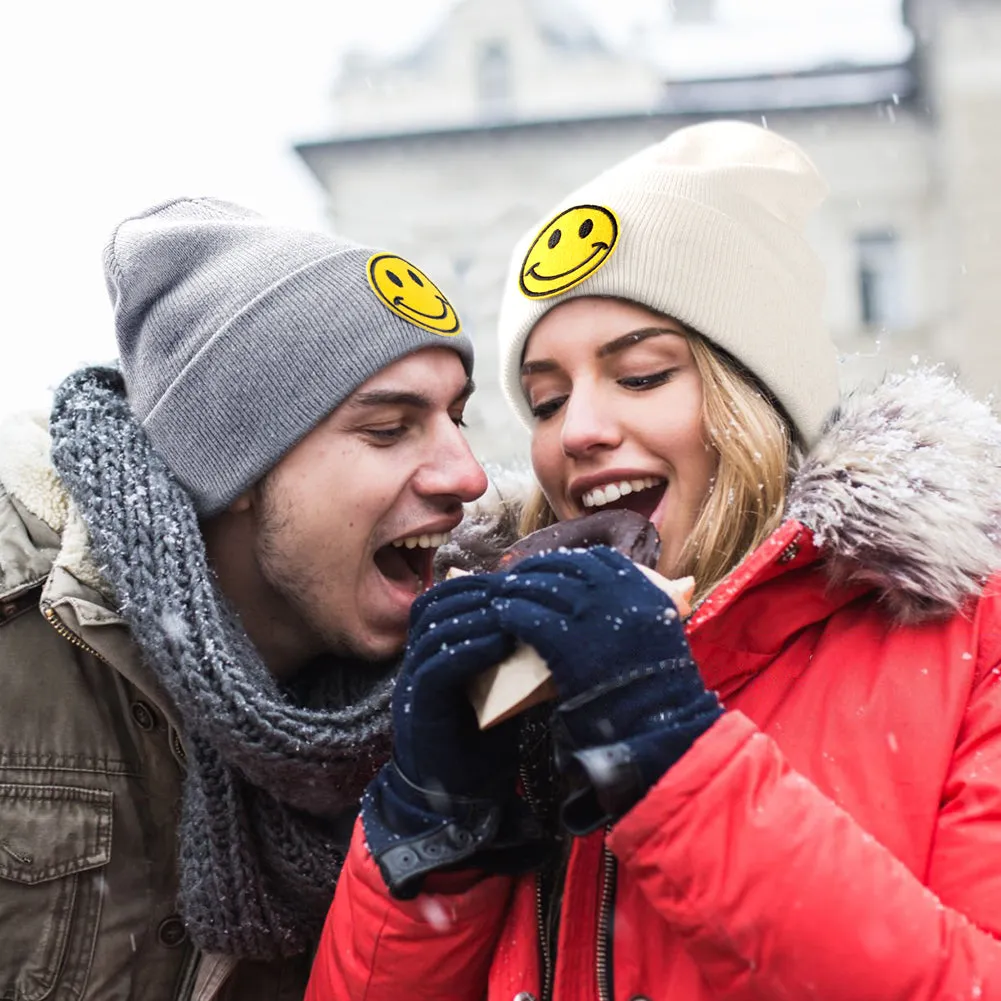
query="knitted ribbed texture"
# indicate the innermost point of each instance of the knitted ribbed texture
(711, 232)
(237, 336)
(273, 777)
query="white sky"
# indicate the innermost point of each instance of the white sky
(111, 105)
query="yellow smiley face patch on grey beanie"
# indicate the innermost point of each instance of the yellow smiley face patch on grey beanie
(405, 290)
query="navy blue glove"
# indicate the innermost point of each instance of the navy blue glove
(449, 796)
(631, 698)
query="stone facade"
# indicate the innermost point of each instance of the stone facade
(451, 154)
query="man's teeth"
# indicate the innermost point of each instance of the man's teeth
(600, 496)
(432, 541)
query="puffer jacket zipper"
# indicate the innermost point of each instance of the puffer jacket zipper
(545, 954)
(544, 949)
(605, 924)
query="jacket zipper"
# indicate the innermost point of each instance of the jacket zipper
(540, 912)
(188, 976)
(70, 636)
(540, 917)
(605, 922)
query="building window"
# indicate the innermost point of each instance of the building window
(493, 78)
(879, 279)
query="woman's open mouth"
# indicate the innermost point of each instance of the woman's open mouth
(408, 562)
(641, 495)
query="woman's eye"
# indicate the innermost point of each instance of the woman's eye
(646, 381)
(546, 409)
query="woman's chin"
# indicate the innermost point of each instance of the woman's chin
(668, 565)
(672, 542)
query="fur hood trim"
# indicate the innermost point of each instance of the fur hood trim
(37, 504)
(26, 472)
(902, 492)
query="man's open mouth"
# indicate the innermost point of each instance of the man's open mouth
(640, 495)
(408, 562)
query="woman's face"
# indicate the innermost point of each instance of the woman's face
(617, 400)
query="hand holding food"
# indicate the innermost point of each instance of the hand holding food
(523, 679)
(631, 701)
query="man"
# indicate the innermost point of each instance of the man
(202, 593)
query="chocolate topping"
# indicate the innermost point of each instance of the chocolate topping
(628, 532)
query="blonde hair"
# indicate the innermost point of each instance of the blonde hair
(746, 499)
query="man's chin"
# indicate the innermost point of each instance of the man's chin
(377, 631)
(377, 644)
(384, 647)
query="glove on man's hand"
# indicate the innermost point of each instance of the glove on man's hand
(449, 793)
(631, 698)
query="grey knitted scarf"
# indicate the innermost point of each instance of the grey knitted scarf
(274, 774)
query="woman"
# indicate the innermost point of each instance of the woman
(795, 794)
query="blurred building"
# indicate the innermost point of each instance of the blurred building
(451, 153)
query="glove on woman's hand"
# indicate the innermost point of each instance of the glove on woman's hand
(631, 698)
(449, 793)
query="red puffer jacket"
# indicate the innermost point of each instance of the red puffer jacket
(837, 834)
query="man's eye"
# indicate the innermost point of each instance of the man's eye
(384, 435)
(647, 381)
(546, 409)
(459, 420)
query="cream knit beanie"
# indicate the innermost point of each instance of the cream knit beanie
(238, 335)
(706, 227)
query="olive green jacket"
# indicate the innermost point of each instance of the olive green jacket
(91, 764)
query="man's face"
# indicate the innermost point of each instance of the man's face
(347, 523)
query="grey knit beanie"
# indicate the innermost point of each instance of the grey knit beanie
(237, 335)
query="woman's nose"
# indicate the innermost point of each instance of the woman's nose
(588, 425)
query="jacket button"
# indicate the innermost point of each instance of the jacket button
(143, 715)
(171, 932)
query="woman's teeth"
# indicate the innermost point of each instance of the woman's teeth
(600, 496)
(432, 541)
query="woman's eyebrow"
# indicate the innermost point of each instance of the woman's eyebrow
(635, 337)
(532, 367)
(606, 350)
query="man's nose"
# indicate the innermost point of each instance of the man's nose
(451, 470)
(588, 424)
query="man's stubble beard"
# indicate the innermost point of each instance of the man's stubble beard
(299, 587)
